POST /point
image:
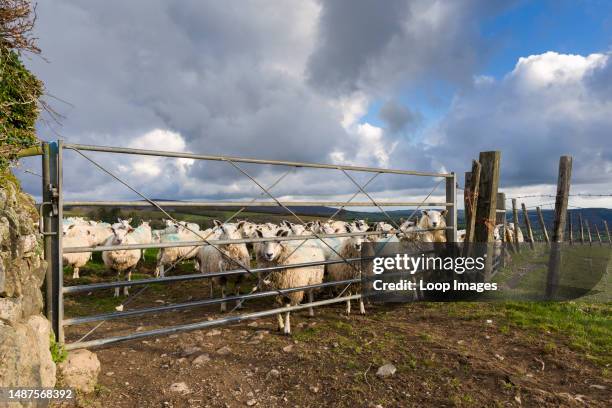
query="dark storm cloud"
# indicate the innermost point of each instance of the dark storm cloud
(398, 117)
(368, 45)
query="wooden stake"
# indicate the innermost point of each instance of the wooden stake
(472, 191)
(554, 262)
(542, 225)
(487, 205)
(516, 225)
(581, 228)
(598, 235)
(588, 228)
(569, 228)
(607, 232)
(528, 225)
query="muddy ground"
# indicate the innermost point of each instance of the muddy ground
(444, 355)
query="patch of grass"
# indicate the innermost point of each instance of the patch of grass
(58, 352)
(308, 334)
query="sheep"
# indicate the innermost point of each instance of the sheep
(360, 225)
(296, 229)
(348, 248)
(225, 257)
(170, 255)
(430, 219)
(275, 253)
(79, 259)
(385, 228)
(510, 233)
(191, 226)
(121, 260)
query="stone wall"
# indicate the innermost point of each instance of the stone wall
(25, 359)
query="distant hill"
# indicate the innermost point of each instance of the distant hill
(594, 216)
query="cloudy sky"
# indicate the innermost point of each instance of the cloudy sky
(411, 84)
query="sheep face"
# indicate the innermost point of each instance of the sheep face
(120, 234)
(433, 219)
(229, 231)
(270, 250)
(355, 241)
(361, 225)
(247, 229)
(297, 229)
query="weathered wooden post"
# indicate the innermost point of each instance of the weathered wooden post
(554, 262)
(581, 228)
(588, 228)
(542, 224)
(516, 225)
(500, 219)
(472, 187)
(487, 205)
(598, 235)
(528, 225)
(570, 230)
(607, 232)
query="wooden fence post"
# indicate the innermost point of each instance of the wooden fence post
(598, 235)
(542, 225)
(472, 190)
(516, 225)
(528, 225)
(588, 228)
(500, 218)
(607, 232)
(487, 205)
(554, 262)
(581, 228)
(570, 230)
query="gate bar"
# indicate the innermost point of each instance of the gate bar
(252, 204)
(56, 266)
(206, 324)
(197, 303)
(197, 276)
(179, 244)
(162, 153)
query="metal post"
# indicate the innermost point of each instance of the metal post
(451, 214)
(46, 212)
(56, 265)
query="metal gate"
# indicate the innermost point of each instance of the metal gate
(52, 206)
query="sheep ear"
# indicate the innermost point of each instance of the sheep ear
(259, 233)
(282, 233)
(443, 213)
(241, 224)
(71, 226)
(426, 212)
(217, 223)
(347, 228)
(129, 220)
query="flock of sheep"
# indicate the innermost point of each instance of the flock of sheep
(269, 251)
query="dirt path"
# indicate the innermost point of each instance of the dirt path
(442, 359)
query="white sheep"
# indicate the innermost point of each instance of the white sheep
(225, 257)
(170, 255)
(121, 260)
(275, 253)
(79, 259)
(348, 248)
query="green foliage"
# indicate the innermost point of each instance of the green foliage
(58, 352)
(19, 108)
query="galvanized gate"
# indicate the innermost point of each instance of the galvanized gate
(52, 206)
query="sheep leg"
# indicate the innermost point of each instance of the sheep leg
(223, 304)
(75, 272)
(348, 306)
(310, 300)
(361, 306)
(288, 323)
(117, 289)
(281, 324)
(237, 292)
(126, 291)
